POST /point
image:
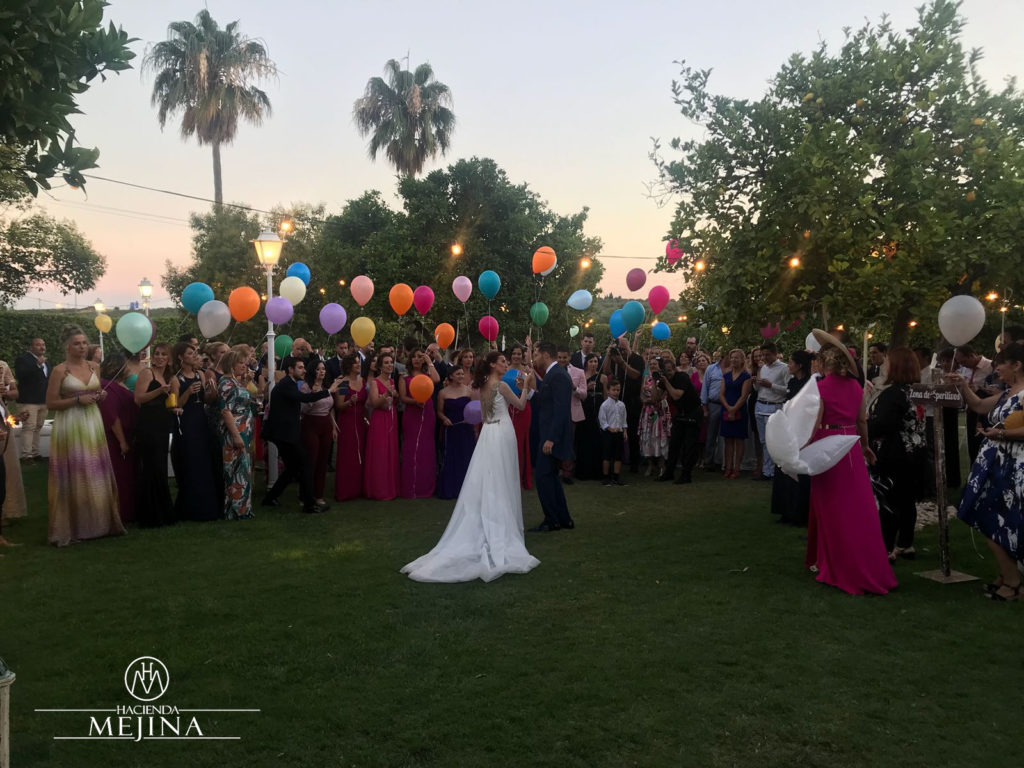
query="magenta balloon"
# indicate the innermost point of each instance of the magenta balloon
(333, 318)
(462, 287)
(635, 279)
(658, 298)
(472, 413)
(423, 299)
(488, 327)
(279, 310)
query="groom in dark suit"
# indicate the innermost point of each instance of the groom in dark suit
(551, 413)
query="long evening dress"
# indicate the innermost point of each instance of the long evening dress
(154, 506)
(236, 464)
(351, 461)
(484, 538)
(588, 434)
(419, 459)
(82, 493)
(14, 504)
(120, 404)
(198, 498)
(844, 535)
(459, 440)
(380, 480)
(521, 425)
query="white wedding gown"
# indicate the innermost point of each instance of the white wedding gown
(484, 538)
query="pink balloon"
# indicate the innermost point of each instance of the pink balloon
(488, 327)
(423, 299)
(769, 330)
(673, 252)
(635, 279)
(462, 287)
(658, 298)
(279, 310)
(362, 289)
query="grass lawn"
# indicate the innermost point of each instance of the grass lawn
(674, 627)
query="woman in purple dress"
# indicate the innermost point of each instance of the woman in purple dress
(735, 391)
(380, 480)
(458, 436)
(419, 459)
(350, 407)
(119, 414)
(844, 533)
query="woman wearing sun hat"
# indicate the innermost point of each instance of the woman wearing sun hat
(844, 534)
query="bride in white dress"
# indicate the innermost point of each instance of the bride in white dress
(484, 538)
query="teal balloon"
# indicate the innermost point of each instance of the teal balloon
(131, 380)
(194, 296)
(299, 270)
(616, 325)
(632, 315)
(661, 331)
(489, 283)
(283, 345)
(539, 313)
(134, 331)
(580, 300)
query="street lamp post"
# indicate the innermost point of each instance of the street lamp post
(145, 291)
(100, 309)
(268, 250)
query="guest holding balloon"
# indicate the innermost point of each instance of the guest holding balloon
(156, 394)
(120, 414)
(381, 479)
(350, 407)
(516, 377)
(237, 410)
(317, 427)
(735, 391)
(458, 435)
(419, 458)
(198, 493)
(627, 367)
(588, 432)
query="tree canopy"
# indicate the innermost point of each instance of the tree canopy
(866, 186)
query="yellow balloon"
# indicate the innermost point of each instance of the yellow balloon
(363, 331)
(103, 323)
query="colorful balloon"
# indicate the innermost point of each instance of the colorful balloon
(400, 297)
(244, 303)
(423, 299)
(580, 300)
(489, 283)
(462, 287)
(103, 323)
(472, 414)
(811, 344)
(550, 269)
(293, 289)
(133, 331)
(363, 331)
(283, 345)
(661, 331)
(333, 318)
(616, 325)
(672, 252)
(362, 290)
(635, 279)
(658, 298)
(444, 335)
(632, 315)
(299, 270)
(488, 327)
(961, 318)
(194, 296)
(539, 313)
(544, 260)
(279, 310)
(421, 388)
(214, 318)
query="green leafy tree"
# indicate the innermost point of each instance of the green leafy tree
(405, 114)
(206, 73)
(887, 169)
(51, 50)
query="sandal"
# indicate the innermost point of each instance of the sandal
(1012, 598)
(994, 586)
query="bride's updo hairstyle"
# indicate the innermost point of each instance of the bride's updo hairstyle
(67, 333)
(483, 369)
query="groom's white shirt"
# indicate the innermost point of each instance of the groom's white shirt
(550, 367)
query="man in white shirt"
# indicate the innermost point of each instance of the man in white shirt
(579, 394)
(771, 394)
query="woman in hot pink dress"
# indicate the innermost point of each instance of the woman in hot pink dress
(419, 458)
(844, 533)
(380, 478)
(350, 407)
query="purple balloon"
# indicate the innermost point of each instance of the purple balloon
(472, 413)
(333, 318)
(279, 310)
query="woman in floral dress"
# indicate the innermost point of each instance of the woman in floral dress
(655, 421)
(238, 412)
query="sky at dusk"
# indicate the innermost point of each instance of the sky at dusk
(564, 95)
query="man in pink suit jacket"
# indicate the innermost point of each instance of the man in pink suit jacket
(579, 393)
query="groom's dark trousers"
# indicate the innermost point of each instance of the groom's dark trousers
(550, 491)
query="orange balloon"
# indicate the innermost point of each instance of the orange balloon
(421, 388)
(543, 259)
(244, 303)
(444, 335)
(400, 298)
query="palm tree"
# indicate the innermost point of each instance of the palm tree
(205, 72)
(407, 116)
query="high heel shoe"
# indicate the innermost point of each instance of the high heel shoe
(1013, 597)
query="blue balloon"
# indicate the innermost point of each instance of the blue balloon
(615, 324)
(299, 270)
(632, 315)
(489, 283)
(510, 379)
(580, 300)
(661, 331)
(195, 295)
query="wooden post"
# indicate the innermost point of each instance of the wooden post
(6, 678)
(940, 489)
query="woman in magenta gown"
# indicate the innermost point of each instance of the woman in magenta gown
(119, 414)
(350, 408)
(844, 533)
(380, 478)
(419, 458)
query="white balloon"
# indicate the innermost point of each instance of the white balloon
(293, 289)
(811, 344)
(214, 318)
(961, 318)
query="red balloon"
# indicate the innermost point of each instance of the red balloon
(423, 299)
(488, 327)
(658, 298)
